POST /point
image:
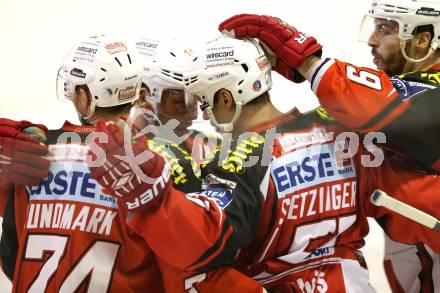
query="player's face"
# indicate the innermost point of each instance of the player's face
(385, 44)
(174, 106)
(142, 102)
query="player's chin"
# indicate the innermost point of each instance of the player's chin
(378, 62)
(383, 66)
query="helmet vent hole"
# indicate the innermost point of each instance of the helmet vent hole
(245, 68)
(235, 60)
(102, 79)
(240, 91)
(172, 54)
(116, 90)
(129, 59)
(103, 69)
(241, 81)
(195, 59)
(96, 97)
(119, 62)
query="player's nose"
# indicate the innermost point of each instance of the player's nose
(372, 40)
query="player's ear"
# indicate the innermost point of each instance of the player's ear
(82, 101)
(423, 41)
(226, 99)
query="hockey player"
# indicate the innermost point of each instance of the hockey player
(164, 62)
(365, 99)
(288, 203)
(68, 213)
(409, 268)
(401, 98)
(65, 233)
(170, 58)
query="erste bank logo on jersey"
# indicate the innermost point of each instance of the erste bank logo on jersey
(69, 199)
(309, 166)
(312, 184)
(70, 179)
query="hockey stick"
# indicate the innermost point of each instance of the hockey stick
(380, 198)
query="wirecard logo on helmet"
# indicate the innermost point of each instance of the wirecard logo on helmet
(87, 50)
(220, 54)
(78, 73)
(127, 94)
(115, 47)
(146, 45)
(427, 11)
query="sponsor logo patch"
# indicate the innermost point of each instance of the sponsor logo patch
(220, 56)
(289, 142)
(222, 196)
(218, 76)
(127, 93)
(409, 89)
(78, 73)
(427, 11)
(115, 47)
(262, 62)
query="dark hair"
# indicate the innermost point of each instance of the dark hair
(143, 85)
(424, 28)
(119, 109)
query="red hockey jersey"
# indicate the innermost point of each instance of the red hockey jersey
(68, 234)
(405, 108)
(290, 210)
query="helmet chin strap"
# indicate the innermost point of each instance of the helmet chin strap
(432, 49)
(225, 127)
(87, 120)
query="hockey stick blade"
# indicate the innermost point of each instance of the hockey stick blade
(380, 198)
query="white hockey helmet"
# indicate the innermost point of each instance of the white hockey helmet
(164, 63)
(111, 71)
(409, 14)
(239, 66)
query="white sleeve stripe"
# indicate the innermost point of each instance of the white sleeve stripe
(265, 184)
(319, 72)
